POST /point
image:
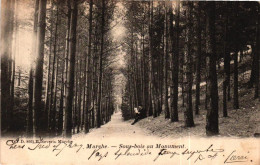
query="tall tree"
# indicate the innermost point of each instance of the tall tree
(198, 59)
(212, 113)
(100, 66)
(257, 54)
(38, 78)
(30, 84)
(226, 61)
(72, 54)
(175, 61)
(188, 113)
(166, 107)
(235, 58)
(236, 101)
(88, 76)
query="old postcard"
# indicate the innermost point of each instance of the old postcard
(130, 82)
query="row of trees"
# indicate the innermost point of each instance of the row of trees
(70, 82)
(175, 45)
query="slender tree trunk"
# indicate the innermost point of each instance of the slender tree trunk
(182, 81)
(37, 88)
(198, 60)
(100, 66)
(166, 106)
(75, 105)
(212, 113)
(72, 54)
(236, 101)
(188, 113)
(79, 97)
(88, 65)
(52, 104)
(47, 94)
(19, 78)
(226, 62)
(207, 99)
(257, 84)
(144, 80)
(30, 124)
(175, 72)
(152, 110)
(66, 58)
(60, 115)
(53, 116)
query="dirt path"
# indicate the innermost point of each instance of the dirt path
(115, 128)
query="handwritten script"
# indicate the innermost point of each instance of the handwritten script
(153, 152)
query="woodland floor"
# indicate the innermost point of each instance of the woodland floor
(242, 122)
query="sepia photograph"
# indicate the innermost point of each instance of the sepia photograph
(130, 82)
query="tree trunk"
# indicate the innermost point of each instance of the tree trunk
(212, 113)
(100, 66)
(166, 107)
(53, 116)
(175, 62)
(60, 115)
(65, 86)
(30, 124)
(144, 80)
(72, 54)
(47, 94)
(198, 60)
(236, 101)
(52, 104)
(257, 56)
(38, 78)
(226, 62)
(188, 113)
(253, 74)
(152, 110)
(88, 65)
(79, 97)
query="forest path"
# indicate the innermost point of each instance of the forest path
(116, 128)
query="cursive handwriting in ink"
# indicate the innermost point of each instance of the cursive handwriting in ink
(129, 152)
(209, 153)
(233, 158)
(13, 144)
(165, 152)
(98, 154)
(62, 145)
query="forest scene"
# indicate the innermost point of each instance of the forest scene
(161, 68)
